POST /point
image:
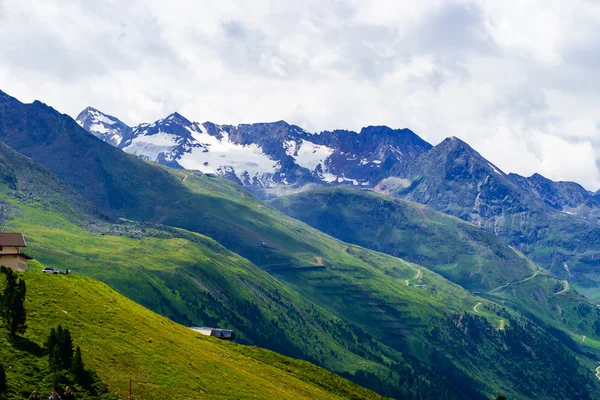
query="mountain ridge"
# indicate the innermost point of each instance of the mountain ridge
(278, 153)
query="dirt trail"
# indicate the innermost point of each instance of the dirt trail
(477, 305)
(582, 340)
(521, 281)
(417, 276)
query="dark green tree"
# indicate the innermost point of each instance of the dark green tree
(51, 346)
(12, 304)
(77, 367)
(59, 347)
(3, 384)
(65, 347)
(500, 398)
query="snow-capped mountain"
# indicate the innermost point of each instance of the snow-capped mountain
(262, 156)
(104, 126)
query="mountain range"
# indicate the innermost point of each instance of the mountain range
(265, 156)
(461, 315)
(546, 220)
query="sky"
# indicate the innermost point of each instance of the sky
(518, 80)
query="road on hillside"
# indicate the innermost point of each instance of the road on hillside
(521, 281)
(475, 307)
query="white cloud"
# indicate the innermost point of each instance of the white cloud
(519, 81)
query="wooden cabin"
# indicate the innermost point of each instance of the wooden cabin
(10, 251)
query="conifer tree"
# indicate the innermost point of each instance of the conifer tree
(51, 346)
(59, 347)
(77, 367)
(12, 304)
(65, 348)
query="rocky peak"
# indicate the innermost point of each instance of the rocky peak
(558, 195)
(176, 118)
(103, 126)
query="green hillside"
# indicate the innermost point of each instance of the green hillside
(461, 252)
(122, 340)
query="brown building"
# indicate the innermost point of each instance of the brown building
(10, 251)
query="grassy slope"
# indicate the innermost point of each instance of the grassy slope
(455, 340)
(469, 256)
(195, 281)
(121, 340)
(461, 252)
(341, 286)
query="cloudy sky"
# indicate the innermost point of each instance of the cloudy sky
(518, 80)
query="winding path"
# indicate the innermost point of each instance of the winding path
(582, 340)
(598, 372)
(502, 323)
(475, 307)
(521, 281)
(417, 276)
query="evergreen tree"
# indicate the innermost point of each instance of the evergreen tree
(12, 304)
(59, 346)
(51, 346)
(65, 348)
(77, 367)
(3, 385)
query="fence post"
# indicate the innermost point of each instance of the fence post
(130, 390)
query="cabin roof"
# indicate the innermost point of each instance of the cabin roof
(12, 239)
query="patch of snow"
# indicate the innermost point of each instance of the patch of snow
(290, 147)
(495, 169)
(329, 178)
(309, 155)
(151, 146)
(247, 162)
(376, 161)
(99, 128)
(103, 119)
(364, 161)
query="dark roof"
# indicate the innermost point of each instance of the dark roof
(12, 239)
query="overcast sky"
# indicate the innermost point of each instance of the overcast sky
(518, 80)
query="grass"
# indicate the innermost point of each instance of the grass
(121, 340)
(461, 252)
